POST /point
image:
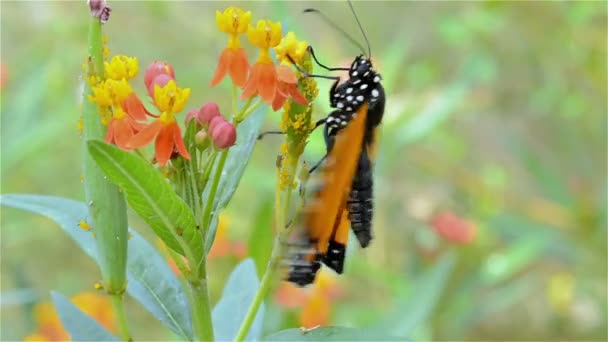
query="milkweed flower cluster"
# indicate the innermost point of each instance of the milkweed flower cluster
(264, 79)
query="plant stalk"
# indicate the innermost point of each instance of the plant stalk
(201, 310)
(107, 208)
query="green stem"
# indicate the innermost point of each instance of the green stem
(214, 186)
(107, 208)
(118, 305)
(201, 310)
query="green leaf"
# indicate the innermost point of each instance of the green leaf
(79, 325)
(261, 237)
(238, 294)
(236, 162)
(150, 196)
(150, 280)
(414, 310)
(330, 334)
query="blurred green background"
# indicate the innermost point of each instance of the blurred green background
(496, 112)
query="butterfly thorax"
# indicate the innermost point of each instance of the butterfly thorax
(363, 85)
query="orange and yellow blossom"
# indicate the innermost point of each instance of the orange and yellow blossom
(121, 67)
(233, 60)
(170, 100)
(49, 327)
(119, 106)
(263, 76)
(287, 82)
(315, 301)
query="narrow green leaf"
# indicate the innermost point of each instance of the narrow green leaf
(414, 310)
(79, 325)
(150, 196)
(330, 334)
(261, 238)
(150, 280)
(236, 298)
(238, 157)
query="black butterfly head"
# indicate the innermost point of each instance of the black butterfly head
(362, 68)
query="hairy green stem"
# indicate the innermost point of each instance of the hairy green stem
(201, 310)
(107, 208)
(118, 305)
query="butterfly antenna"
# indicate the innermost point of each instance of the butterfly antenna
(328, 21)
(369, 48)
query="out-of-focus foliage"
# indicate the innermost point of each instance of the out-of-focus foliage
(496, 115)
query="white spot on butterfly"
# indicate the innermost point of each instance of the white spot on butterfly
(375, 92)
(340, 105)
(360, 98)
(355, 73)
(350, 109)
(349, 90)
(364, 86)
(349, 98)
(376, 79)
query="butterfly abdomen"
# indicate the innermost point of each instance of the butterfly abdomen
(360, 203)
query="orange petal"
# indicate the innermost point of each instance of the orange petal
(110, 134)
(267, 85)
(146, 135)
(296, 95)
(285, 74)
(164, 144)
(239, 67)
(222, 67)
(123, 133)
(134, 107)
(279, 100)
(179, 142)
(250, 88)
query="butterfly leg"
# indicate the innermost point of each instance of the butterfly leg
(263, 134)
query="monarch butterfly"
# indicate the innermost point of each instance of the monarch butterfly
(346, 184)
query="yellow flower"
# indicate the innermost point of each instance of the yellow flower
(170, 99)
(265, 34)
(233, 20)
(121, 67)
(292, 47)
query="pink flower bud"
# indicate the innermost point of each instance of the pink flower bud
(160, 80)
(192, 114)
(157, 68)
(223, 135)
(207, 112)
(216, 120)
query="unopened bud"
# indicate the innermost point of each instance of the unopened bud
(214, 122)
(201, 137)
(207, 112)
(223, 135)
(157, 68)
